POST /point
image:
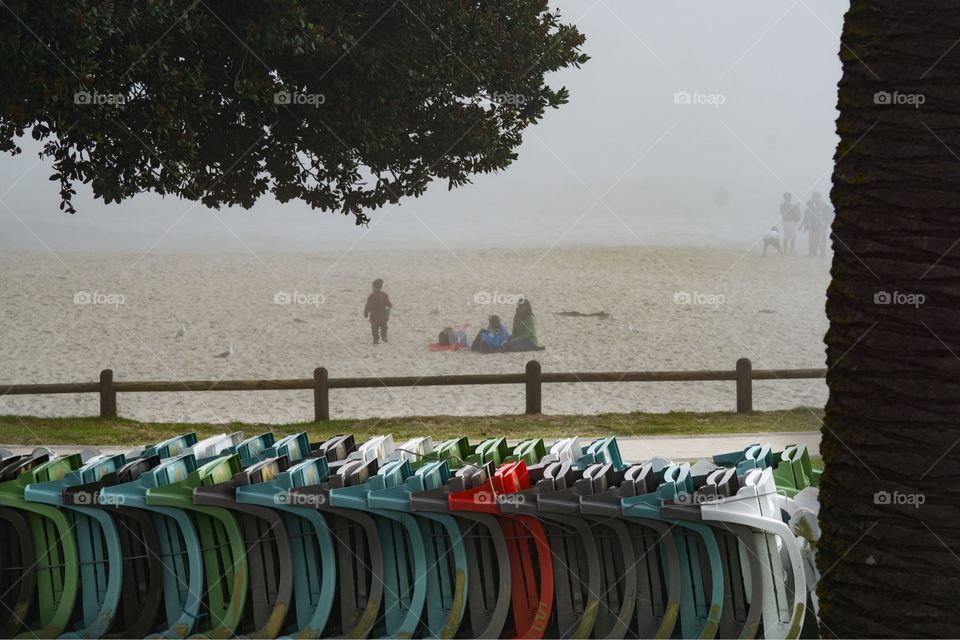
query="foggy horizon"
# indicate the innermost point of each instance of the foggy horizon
(625, 163)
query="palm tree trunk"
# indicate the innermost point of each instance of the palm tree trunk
(890, 494)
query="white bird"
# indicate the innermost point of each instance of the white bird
(225, 354)
(182, 332)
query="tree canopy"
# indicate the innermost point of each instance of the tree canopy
(346, 106)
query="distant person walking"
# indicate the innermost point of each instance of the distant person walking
(790, 217)
(816, 222)
(378, 311)
(772, 239)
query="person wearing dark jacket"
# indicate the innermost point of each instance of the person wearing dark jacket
(493, 338)
(378, 311)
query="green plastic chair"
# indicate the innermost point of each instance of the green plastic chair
(224, 563)
(794, 471)
(57, 571)
(98, 545)
(529, 451)
(267, 548)
(454, 450)
(267, 553)
(18, 571)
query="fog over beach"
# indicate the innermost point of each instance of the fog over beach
(644, 198)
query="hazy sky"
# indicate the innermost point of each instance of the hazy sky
(623, 163)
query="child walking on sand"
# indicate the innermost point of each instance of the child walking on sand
(378, 311)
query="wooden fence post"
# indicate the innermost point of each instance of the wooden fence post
(321, 395)
(744, 386)
(108, 395)
(534, 388)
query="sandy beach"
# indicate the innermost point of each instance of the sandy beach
(65, 318)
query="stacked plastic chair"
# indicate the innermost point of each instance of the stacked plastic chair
(280, 537)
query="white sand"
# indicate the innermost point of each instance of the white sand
(772, 311)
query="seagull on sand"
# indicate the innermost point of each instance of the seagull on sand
(225, 354)
(182, 332)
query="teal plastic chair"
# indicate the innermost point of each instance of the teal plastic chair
(224, 567)
(179, 550)
(701, 603)
(359, 552)
(488, 594)
(311, 545)
(742, 571)
(446, 555)
(98, 546)
(404, 552)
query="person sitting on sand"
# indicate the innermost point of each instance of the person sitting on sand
(524, 335)
(772, 239)
(378, 310)
(493, 338)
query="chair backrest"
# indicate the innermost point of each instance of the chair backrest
(252, 449)
(294, 447)
(171, 447)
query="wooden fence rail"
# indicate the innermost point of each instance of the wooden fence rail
(533, 378)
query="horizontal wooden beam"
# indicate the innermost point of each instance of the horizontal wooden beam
(160, 386)
(60, 387)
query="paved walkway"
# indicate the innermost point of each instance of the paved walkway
(696, 447)
(633, 449)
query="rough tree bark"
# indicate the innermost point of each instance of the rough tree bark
(890, 494)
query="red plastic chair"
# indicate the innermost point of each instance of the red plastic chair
(531, 564)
